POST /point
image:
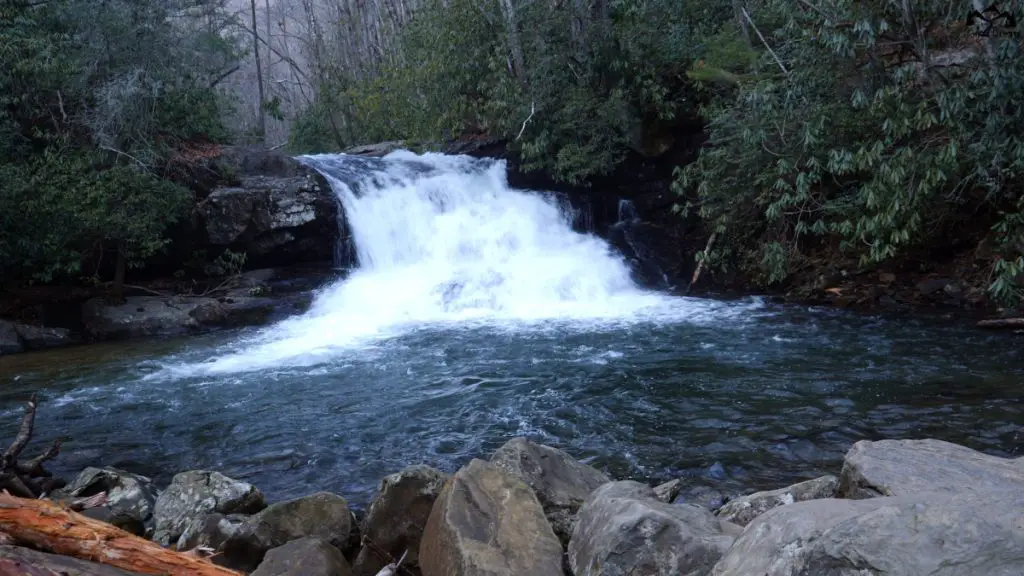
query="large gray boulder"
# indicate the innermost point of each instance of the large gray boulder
(130, 497)
(10, 342)
(911, 467)
(197, 493)
(560, 482)
(277, 211)
(396, 517)
(25, 561)
(140, 316)
(304, 557)
(42, 337)
(488, 523)
(744, 509)
(937, 535)
(322, 515)
(623, 530)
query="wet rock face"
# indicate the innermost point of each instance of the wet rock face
(487, 522)
(322, 515)
(912, 467)
(560, 482)
(744, 509)
(276, 210)
(624, 530)
(394, 523)
(130, 497)
(197, 493)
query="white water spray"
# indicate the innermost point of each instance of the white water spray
(444, 240)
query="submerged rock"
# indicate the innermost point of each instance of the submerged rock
(197, 493)
(304, 557)
(130, 497)
(322, 515)
(744, 509)
(938, 535)
(486, 522)
(911, 467)
(394, 523)
(560, 482)
(624, 530)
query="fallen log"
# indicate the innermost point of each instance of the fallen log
(1008, 323)
(54, 528)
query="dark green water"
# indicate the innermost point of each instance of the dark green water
(742, 396)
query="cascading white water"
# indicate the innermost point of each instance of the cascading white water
(444, 240)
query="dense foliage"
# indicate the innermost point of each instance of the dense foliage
(868, 128)
(95, 99)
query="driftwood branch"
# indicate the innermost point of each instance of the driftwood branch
(55, 528)
(1003, 323)
(28, 479)
(700, 263)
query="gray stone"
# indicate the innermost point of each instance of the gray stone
(197, 493)
(668, 491)
(703, 496)
(43, 338)
(304, 557)
(396, 517)
(744, 509)
(130, 497)
(910, 467)
(10, 342)
(486, 522)
(624, 530)
(28, 562)
(560, 482)
(322, 515)
(141, 316)
(376, 150)
(209, 531)
(937, 535)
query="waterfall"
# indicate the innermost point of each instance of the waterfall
(444, 240)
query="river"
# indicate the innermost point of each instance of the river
(477, 314)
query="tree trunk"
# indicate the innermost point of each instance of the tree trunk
(514, 46)
(259, 74)
(49, 526)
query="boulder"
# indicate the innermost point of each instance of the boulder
(43, 338)
(668, 491)
(934, 534)
(130, 497)
(744, 509)
(28, 562)
(489, 523)
(910, 467)
(141, 316)
(277, 211)
(396, 517)
(624, 530)
(322, 515)
(210, 531)
(304, 557)
(704, 496)
(376, 150)
(560, 482)
(10, 342)
(197, 493)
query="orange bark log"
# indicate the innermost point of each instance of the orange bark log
(52, 527)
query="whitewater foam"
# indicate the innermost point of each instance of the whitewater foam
(444, 241)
